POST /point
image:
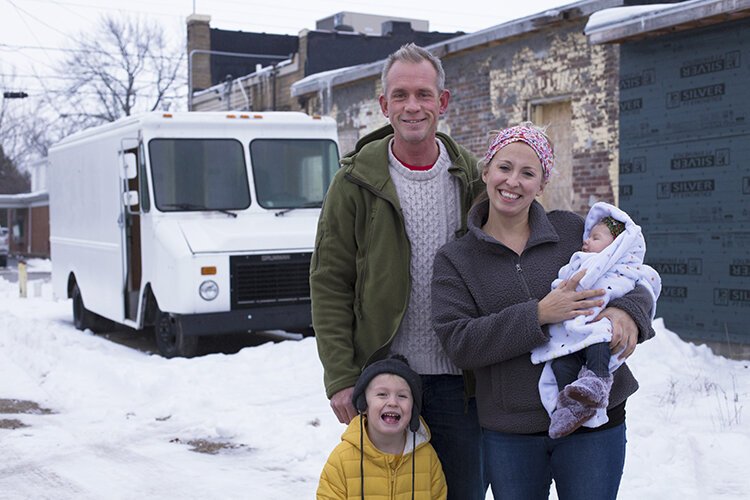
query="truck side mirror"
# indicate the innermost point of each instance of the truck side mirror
(130, 198)
(129, 166)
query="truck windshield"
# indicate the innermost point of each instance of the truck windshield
(198, 174)
(292, 173)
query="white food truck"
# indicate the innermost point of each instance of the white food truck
(190, 223)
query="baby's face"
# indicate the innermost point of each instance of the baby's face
(599, 239)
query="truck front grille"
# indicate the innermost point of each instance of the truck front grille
(270, 279)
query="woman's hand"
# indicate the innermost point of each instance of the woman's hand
(624, 331)
(564, 302)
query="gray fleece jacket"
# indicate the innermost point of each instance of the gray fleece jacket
(484, 303)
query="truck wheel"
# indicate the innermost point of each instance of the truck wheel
(3, 260)
(170, 340)
(82, 317)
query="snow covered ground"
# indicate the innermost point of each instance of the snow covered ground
(123, 424)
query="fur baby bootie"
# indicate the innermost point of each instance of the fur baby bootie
(589, 389)
(568, 416)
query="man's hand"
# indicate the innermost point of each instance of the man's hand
(341, 403)
(624, 331)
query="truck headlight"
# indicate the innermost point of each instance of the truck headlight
(208, 290)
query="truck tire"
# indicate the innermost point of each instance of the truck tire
(170, 340)
(3, 260)
(82, 317)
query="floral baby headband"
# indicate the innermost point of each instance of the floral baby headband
(529, 135)
(615, 226)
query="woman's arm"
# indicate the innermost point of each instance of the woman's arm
(470, 338)
(630, 316)
(473, 338)
(566, 302)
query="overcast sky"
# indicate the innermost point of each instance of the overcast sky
(32, 32)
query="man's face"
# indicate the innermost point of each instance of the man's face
(412, 102)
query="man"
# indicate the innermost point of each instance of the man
(403, 193)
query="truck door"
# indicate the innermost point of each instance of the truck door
(132, 203)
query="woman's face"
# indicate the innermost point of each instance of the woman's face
(513, 178)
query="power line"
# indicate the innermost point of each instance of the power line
(74, 51)
(56, 77)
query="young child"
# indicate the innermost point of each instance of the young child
(576, 380)
(385, 451)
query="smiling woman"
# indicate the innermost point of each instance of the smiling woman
(489, 323)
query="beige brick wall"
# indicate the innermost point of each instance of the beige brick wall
(199, 37)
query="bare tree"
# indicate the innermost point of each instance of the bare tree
(125, 65)
(122, 66)
(12, 180)
(12, 132)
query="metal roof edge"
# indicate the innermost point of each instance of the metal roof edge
(662, 19)
(22, 200)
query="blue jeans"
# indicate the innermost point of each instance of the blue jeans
(456, 435)
(584, 465)
(595, 357)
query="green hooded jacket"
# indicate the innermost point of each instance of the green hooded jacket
(359, 273)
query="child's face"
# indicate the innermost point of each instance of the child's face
(599, 238)
(389, 404)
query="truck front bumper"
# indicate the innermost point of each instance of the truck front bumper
(297, 317)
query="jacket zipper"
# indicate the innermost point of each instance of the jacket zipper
(522, 278)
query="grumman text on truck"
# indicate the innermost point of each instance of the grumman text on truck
(190, 223)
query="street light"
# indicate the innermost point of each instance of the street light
(15, 95)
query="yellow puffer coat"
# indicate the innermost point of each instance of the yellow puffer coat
(387, 477)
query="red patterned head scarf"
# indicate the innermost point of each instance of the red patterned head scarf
(529, 135)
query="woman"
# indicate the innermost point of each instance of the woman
(491, 303)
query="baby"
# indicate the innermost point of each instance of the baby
(576, 382)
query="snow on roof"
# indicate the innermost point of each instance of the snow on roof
(622, 23)
(607, 17)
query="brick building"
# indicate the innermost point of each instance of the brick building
(26, 215)
(649, 112)
(234, 70)
(538, 68)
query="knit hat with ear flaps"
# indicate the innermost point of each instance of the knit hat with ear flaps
(394, 365)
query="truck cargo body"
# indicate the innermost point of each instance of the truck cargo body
(193, 223)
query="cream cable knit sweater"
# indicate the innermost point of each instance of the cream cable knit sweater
(429, 202)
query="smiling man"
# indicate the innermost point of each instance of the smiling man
(400, 195)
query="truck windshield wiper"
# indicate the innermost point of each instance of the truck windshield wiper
(310, 204)
(193, 206)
